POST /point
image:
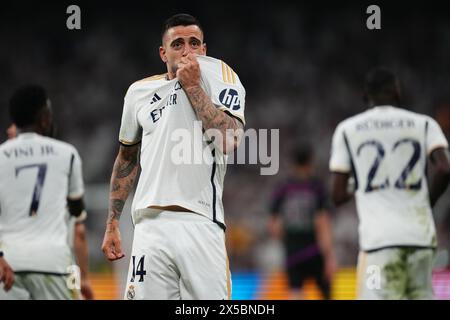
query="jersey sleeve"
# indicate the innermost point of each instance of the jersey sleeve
(435, 138)
(76, 185)
(224, 87)
(339, 159)
(130, 131)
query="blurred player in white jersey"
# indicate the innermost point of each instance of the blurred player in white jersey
(77, 240)
(179, 242)
(386, 149)
(41, 179)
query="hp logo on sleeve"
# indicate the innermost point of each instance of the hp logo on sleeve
(230, 99)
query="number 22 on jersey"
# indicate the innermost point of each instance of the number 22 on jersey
(401, 180)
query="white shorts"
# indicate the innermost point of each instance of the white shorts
(395, 273)
(177, 255)
(38, 286)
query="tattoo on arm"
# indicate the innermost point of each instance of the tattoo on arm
(211, 117)
(115, 187)
(115, 208)
(122, 180)
(127, 165)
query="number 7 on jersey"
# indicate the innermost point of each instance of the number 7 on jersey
(42, 171)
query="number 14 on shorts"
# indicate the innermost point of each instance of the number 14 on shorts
(138, 270)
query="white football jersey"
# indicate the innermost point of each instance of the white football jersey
(38, 175)
(386, 148)
(179, 166)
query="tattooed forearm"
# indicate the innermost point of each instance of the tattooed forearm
(126, 168)
(213, 118)
(115, 186)
(122, 180)
(116, 207)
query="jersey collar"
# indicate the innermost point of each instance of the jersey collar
(383, 107)
(27, 135)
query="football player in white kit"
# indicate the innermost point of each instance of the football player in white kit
(386, 150)
(179, 241)
(41, 179)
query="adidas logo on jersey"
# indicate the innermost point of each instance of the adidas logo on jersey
(155, 98)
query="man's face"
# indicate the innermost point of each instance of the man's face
(178, 42)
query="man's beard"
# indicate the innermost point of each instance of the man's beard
(174, 68)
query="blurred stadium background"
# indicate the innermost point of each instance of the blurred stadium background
(302, 65)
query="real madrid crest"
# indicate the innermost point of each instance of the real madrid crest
(131, 293)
